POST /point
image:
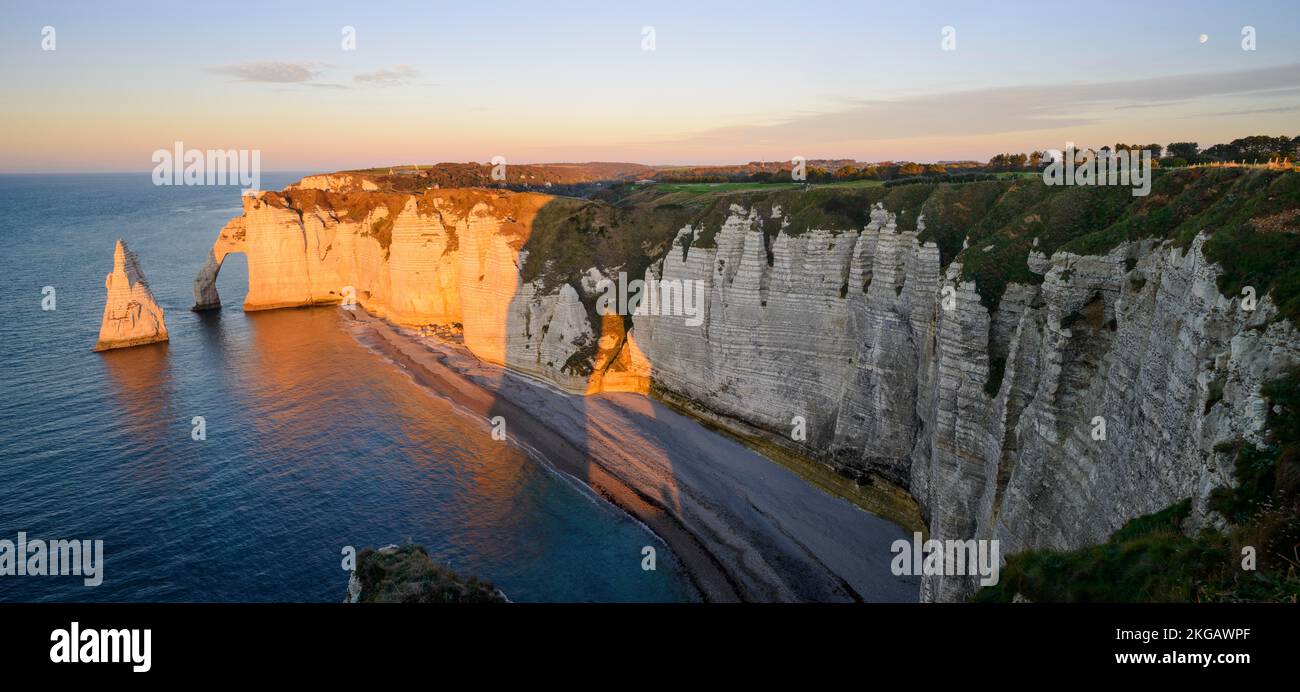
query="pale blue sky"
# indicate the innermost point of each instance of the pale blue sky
(727, 81)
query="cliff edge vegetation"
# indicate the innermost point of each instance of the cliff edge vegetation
(1254, 556)
(1252, 217)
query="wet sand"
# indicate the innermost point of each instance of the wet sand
(743, 527)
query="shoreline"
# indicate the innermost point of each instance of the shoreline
(743, 526)
(707, 577)
(879, 496)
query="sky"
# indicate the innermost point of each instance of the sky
(721, 82)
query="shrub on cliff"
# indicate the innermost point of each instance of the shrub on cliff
(406, 574)
(1149, 559)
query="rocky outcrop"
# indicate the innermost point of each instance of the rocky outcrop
(1093, 393)
(131, 316)
(406, 574)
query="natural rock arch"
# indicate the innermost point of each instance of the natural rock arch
(230, 240)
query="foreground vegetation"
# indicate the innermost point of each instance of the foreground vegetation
(1152, 558)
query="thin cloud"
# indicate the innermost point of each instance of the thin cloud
(401, 74)
(1156, 104)
(1251, 111)
(999, 110)
(271, 71)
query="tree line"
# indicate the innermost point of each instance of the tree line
(1252, 149)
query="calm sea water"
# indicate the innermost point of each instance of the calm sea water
(313, 441)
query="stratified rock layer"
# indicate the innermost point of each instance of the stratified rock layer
(131, 316)
(850, 331)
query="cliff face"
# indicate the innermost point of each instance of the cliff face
(892, 381)
(877, 338)
(451, 258)
(131, 317)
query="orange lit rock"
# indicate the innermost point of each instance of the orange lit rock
(131, 317)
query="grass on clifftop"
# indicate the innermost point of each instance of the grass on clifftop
(1257, 242)
(569, 236)
(1151, 559)
(1252, 218)
(406, 574)
(834, 207)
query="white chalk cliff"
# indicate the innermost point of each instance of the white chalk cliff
(451, 258)
(131, 316)
(890, 382)
(846, 328)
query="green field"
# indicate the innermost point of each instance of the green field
(701, 188)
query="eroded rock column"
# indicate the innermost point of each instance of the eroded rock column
(131, 316)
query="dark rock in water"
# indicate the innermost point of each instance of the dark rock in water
(406, 574)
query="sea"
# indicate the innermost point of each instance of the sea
(314, 443)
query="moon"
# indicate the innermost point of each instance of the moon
(1205, 37)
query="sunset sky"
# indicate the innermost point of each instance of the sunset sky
(570, 81)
